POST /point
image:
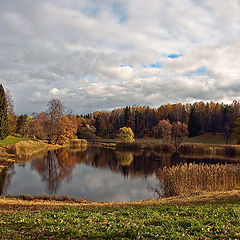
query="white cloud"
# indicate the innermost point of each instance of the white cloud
(97, 54)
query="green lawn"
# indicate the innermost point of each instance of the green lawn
(12, 140)
(215, 221)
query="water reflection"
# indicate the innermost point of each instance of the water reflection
(3, 174)
(5, 178)
(54, 167)
(102, 174)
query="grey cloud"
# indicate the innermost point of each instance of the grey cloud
(80, 51)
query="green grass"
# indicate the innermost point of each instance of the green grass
(10, 140)
(211, 221)
(210, 139)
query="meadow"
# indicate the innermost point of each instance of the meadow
(211, 221)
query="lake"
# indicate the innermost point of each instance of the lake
(98, 173)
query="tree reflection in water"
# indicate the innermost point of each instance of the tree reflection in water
(5, 178)
(54, 167)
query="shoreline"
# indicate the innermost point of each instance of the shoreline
(14, 204)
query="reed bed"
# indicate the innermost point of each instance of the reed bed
(77, 143)
(188, 179)
(217, 149)
(185, 148)
(27, 148)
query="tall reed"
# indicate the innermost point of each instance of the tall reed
(78, 143)
(187, 179)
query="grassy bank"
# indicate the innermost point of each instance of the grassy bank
(210, 221)
(13, 148)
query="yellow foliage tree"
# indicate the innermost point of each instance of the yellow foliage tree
(68, 129)
(125, 134)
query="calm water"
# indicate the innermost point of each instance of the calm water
(94, 173)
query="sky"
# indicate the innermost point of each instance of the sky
(100, 55)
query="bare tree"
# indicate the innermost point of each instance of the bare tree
(54, 114)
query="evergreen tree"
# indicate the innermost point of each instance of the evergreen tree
(126, 115)
(236, 129)
(4, 128)
(194, 126)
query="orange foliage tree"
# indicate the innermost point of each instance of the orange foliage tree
(165, 129)
(179, 131)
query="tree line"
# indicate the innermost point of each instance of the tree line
(199, 117)
(58, 125)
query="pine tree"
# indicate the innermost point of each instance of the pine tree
(4, 129)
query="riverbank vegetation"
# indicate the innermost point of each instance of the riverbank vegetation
(192, 179)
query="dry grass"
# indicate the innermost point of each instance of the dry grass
(190, 179)
(18, 205)
(77, 143)
(214, 149)
(28, 148)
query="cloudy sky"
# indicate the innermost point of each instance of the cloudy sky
(103, 54)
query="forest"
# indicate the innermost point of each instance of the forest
(200, 118)
(58, 125)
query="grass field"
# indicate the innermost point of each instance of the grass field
(212, 221)
(10, 140)
(208, 138)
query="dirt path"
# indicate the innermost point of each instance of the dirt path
(9, 205)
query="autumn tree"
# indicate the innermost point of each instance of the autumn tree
(54, 114)
(165, 129)
(4, 128)
(125, 134)
(179, 131)
(68, 128)
(39, 126)
(236, 129)
(87, 132)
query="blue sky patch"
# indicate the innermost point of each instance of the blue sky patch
(119, 12)
(156, 65)
(173, 55)
(126, 65)
(199, 71)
